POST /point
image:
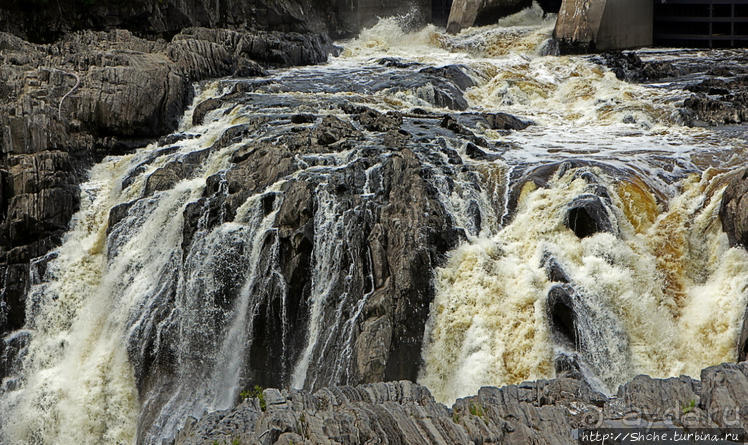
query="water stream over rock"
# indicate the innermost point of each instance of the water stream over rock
(381, 218)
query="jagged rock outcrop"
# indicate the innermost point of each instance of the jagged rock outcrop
(68, 104)
(542, 412)
(718, 83)
(734, 210)
(358, 211)
(42, 21)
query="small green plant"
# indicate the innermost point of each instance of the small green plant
(254, 393)
(455, 417)
(688, 407)
(476, 409)
(236, 441)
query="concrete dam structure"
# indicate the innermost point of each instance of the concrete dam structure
(605, 24)
(618, 24)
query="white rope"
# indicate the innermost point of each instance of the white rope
(77, 84)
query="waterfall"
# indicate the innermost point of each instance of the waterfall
(639, 306)
(376, 218)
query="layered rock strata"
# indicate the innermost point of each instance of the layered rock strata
(541, 412)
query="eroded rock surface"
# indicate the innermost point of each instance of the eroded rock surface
(734, 210)
(542, 412)
(66, 105)
(716, 85)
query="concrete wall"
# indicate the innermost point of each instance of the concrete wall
(605, 24)
(466, 13)
(626, 24)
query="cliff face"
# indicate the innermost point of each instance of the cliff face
(66, 105)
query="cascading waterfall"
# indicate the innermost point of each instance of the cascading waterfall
(646, 308)
(185, 279)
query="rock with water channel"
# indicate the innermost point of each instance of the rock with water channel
(717, 85)
(542, 412)
(68, 104)
(357, 218)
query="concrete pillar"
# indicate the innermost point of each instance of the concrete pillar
(585, 25)
(466, 13)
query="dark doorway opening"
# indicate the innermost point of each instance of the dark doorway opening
(440, 11)
(701, 23)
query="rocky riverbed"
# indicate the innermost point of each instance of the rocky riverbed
(188, 213)
(541, 412)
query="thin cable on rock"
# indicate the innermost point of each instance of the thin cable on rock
(77, 84)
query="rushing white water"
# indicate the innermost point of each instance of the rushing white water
(78, 384)
(661, 294)
(667, 294)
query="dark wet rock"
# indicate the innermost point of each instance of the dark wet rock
(378, 185)
(332, 130)
(726, 104)
(562, 314)
(15, 279)
(117, 214)
(10, 351)
(550, 6)
(455, 73)
(651, 395)
(373, 120)
(477, 154)
(394, 62)
(718, 81)
(504, 121)
(587, 215)
(568, 366)
(203, 108)
(724, 394)
(303, 118)
(743, 338)
(175, 138)
(542, 412)
(733, 211)
(38, 22)
(246, 67)
(628, 66)
(553, 269)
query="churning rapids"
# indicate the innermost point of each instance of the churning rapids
(590, 237)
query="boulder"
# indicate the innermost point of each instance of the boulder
(587, 215)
